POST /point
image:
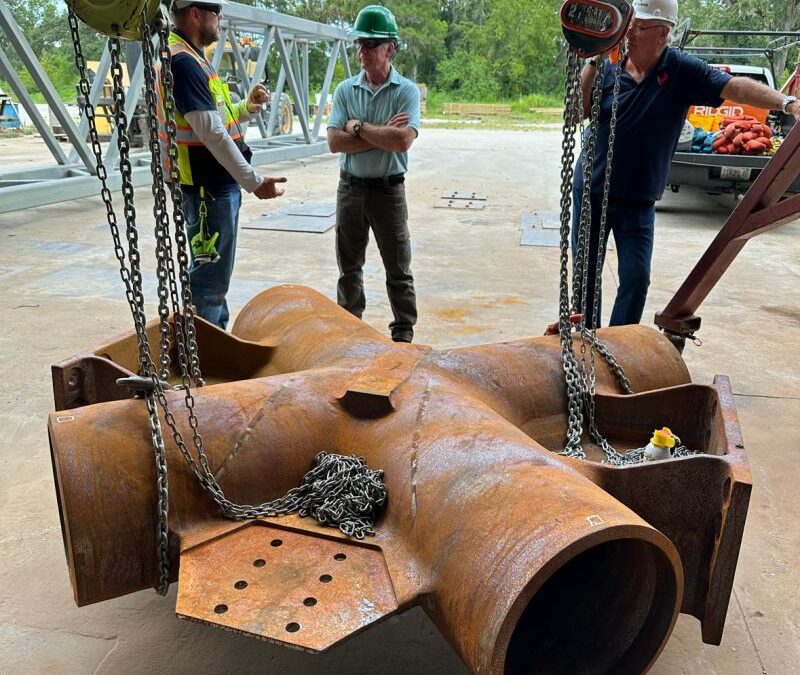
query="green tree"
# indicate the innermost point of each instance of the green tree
(744, 15)
(422, 36)
(518, 43)
(44, 25)
(468, 75)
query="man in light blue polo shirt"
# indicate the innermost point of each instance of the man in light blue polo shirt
(374, 121)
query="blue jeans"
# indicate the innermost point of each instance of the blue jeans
(632, 224)
(210, 281)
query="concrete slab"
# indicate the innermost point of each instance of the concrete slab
(35, 650)
(475, 285)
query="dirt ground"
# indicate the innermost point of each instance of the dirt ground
(475, 284)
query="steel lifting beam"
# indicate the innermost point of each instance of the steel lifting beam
(70, 177)
(763, 208)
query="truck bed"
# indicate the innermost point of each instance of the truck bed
(717, 173)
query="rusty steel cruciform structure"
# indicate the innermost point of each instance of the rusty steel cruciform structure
(764, 207)
(526, 560)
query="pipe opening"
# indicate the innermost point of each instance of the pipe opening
(608, 610)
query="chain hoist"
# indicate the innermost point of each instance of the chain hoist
(339, 490)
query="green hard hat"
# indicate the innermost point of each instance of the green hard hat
(375, 21)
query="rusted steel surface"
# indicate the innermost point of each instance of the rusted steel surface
(762, 209)
(512, 549)
(290, 587)
(90, 377)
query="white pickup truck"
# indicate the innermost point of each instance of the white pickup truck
(717, 173)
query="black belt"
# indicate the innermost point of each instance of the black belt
(350, 179)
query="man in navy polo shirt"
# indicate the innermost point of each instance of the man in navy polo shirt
(373, 122)
(657, 86)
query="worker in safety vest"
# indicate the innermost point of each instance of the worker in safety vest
(213, 158)
(657, 85)
(373, 122)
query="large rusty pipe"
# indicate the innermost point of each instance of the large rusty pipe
(504, 526)
(512, 553)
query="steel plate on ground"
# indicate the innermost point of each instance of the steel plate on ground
(543, 229)
(534, 235)
(288, 223)
(459, 204)
(310, 209)
(455, 194)
(549, 220)
(295, 588)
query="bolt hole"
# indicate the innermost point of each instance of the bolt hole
(340, 556)
(310, 602)
(276, 542)
(239, 585)
(259, 563)
(220, 609)
(292, 627)
(326, 578)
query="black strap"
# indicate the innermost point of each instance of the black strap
(394, 179)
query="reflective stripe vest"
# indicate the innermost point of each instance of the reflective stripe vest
(185, 136)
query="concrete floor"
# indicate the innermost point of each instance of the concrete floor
(61, 293)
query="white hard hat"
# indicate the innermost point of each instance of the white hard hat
(666, 10)
(181, 4)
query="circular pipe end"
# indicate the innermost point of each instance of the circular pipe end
(609, 609)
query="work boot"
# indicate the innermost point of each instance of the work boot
(402, 336)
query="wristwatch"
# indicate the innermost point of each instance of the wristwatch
(786, 103)
(357, 128)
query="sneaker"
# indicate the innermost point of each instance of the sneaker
(402, 337)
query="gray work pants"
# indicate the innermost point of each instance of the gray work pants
(382, 209)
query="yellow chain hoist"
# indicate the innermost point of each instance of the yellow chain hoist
(116, 18)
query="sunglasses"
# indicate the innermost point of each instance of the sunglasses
(371, 43)
(214, 9)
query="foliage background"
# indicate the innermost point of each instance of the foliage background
(476, 50)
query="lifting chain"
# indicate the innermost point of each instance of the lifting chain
(580, 373)
(339, 491)
(572, 96)
(128, 264)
